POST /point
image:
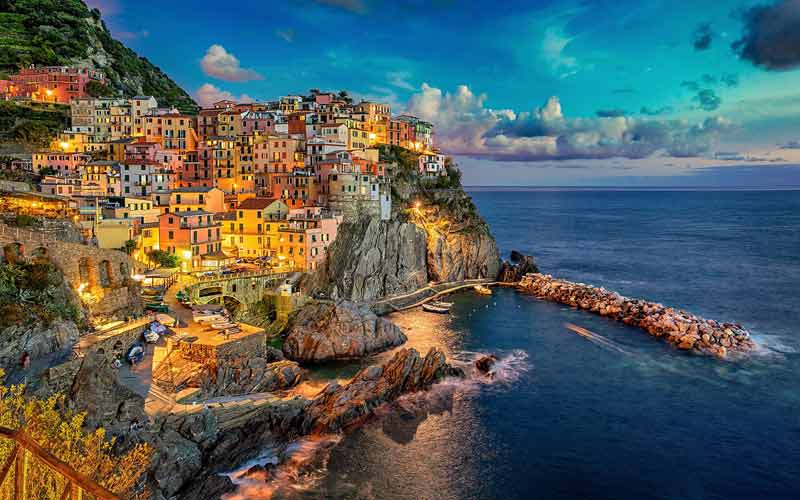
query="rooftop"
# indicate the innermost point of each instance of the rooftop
(256, 203)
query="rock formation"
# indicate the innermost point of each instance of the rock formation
(37, 340)
(338, 406)
(97, 390)
(513, 270)
(341, 330)
(250, 376)
(680, 328)
(372, 258)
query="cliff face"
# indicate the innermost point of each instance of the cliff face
(436, 234)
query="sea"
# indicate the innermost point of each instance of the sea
(630, 417)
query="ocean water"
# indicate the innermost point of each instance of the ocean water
(567, 418)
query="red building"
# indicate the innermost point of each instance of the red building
(51, 83)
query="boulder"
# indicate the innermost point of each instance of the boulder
(484, 364)
(37, 340)
(519, 265)
(342, 330)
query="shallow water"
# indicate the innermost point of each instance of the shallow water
(625, 417)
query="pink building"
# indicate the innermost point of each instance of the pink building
(51, 83)
(61, 163)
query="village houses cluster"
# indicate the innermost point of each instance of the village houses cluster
(267, 180)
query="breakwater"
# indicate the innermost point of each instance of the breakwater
(680, 328)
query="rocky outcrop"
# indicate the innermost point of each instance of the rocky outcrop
(372, 258)
(97, 391)
(338, 406)
(248, 376)
(680, 328)
(340, 330)
(514, 269)
(37, 340)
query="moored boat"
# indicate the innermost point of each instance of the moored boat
(482, 290)
(437, 307)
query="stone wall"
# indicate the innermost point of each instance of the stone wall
(101, 277)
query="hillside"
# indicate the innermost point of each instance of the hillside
(56, 32)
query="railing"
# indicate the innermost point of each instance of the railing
(252, 274)
(77, 482)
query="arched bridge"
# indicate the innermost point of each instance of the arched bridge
(246, 288)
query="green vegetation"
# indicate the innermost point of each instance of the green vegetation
(129, 247)
(59, 430)
(31, 124)
(55, 32)
(33, 292)
(97, 89)
(22, 220)
(164, 259)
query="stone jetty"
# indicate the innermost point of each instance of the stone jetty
(680, 328)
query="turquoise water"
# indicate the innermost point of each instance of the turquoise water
(567, 418)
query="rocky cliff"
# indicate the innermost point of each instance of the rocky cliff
(342, 330)
(435, 234)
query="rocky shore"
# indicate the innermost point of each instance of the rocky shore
(680, 328)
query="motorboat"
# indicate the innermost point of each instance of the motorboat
(208, 318)
(437, 307)
(482, 290)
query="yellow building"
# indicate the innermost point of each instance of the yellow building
(113, 233)
(254, 231)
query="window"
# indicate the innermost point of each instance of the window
(171, 235)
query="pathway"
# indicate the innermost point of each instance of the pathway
(416, 298)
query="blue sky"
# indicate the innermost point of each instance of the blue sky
(584, 89)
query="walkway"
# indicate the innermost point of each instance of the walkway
(416, 298)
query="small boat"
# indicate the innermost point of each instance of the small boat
(482, 290)
(208, 318)
(151, 336)
(437, 307)
(135, 354)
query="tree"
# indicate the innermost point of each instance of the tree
(343, 95)
(164, 259)
(60, 431)
(129, 247)
(97, 89)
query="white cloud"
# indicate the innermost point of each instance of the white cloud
(464, 125)
(223, 65)
(554, 43)
(399, 79)
(286, 35)
(208, 94)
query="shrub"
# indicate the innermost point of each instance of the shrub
(164, 259)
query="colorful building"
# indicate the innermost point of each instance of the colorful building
(195, 237)
(57, 84)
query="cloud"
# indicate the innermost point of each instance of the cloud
(221, 64)
(707, 100)
(553, 45)
(691, 85)
(610, 113)
(355, 6)
(702, 37)
(655, 111)
(791, 145)
(399, 79)
(208, 94)
(771, 36)
(466, 126)
(286, 35)
(730, 79)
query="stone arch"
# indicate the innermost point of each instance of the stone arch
(14, 252)
(105, 274)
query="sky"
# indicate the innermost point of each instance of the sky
(555, 92)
